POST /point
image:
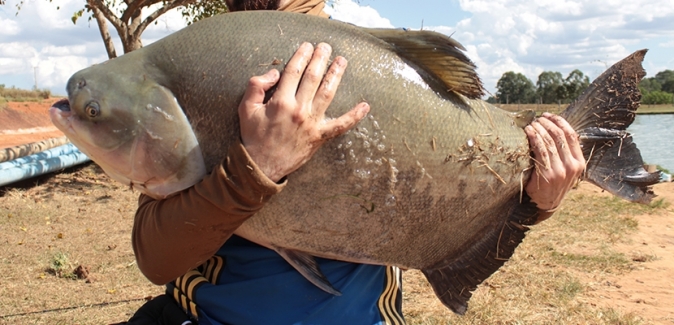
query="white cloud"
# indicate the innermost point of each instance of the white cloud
(351, 12)
(530, 37)
(42, 42)
(558, 35)
(13, 66)
(17, 50)
(9, 27)
(499, 35)
(52, 71)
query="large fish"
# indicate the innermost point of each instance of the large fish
(430, 180)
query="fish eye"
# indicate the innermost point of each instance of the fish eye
(92, 109)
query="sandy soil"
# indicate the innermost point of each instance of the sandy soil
(647, 290)
(26, 122)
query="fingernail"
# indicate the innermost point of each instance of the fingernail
(365, 108)
(306, 46)
(341, 61)
(324, 47)
(546, 114)
(273, 74)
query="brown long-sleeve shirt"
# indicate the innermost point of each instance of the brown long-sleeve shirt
(174, 235)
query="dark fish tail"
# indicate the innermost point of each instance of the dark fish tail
(601, 116)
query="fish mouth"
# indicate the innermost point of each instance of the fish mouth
(63, 105)
(61, 115)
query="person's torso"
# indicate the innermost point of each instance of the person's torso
(245, 283)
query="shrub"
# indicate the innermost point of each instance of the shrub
(657, 98)
(14, 94)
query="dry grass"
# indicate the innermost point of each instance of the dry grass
(72, 219)
(81, 218)
(553, 271)
(21, 95)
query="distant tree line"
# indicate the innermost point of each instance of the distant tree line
(552, 88)
(658, 89)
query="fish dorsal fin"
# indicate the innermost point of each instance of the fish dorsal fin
(438, 54)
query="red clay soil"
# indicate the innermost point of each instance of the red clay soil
(26, 122)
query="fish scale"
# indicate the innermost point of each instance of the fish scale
(409, 112)
(429, 180)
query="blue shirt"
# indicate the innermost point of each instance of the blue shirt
(245, 283)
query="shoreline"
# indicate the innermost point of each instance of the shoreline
(556, 109)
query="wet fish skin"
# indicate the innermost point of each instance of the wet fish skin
(429, 180)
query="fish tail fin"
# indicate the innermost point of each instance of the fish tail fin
(601, 116)
(455, 279)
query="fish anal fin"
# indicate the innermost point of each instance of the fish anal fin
(308, 267)
(454, 279)
(438, 54)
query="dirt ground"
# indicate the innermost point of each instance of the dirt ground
(649, 288)
(82, 215)
(26, 122)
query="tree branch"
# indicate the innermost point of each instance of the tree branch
(168, 6)
(108, 14)
(136, 5)
(103, 28)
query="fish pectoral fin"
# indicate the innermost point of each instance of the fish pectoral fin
(438, 54)
(523, 118)
(307, 266)
(454, 278)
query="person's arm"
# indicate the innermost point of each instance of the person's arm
(177, 234)
(559, 162)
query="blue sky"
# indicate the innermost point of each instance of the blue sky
(41, 43)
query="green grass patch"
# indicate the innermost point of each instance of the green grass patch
(663, 169)
(569, 289)
(603, 260)
(612, 316)
(656, 109)
(59, 265)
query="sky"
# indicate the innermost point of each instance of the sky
(42, 46)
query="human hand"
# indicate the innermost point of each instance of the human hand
(284, 133)
(559, 161)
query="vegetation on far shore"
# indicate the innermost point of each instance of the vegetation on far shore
(557, 108)
(14, 94)
(552, 88)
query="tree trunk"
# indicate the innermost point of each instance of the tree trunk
(131, 40)
(130, 24)
(105, 34)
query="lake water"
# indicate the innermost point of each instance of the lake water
(654, 136)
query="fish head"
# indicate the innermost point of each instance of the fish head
(133, 128)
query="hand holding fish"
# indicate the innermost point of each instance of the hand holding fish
(284, 133)
(559, 161)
